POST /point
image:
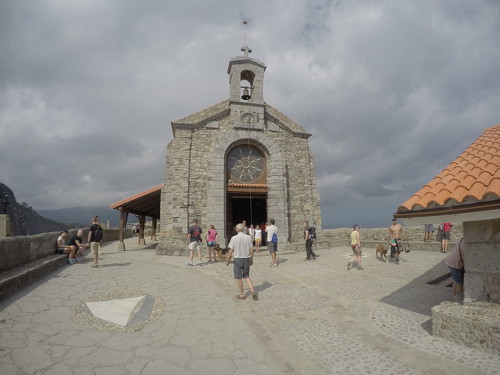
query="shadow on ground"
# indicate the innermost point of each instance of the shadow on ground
(422, 293)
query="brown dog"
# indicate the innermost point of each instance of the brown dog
(382, 250)
(220, 253)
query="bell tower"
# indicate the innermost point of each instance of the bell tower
(246, 92)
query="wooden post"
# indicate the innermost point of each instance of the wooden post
(142, 221)
(123, 223)
(153, 229)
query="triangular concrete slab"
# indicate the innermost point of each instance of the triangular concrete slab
(115, 311)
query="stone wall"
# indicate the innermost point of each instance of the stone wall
(476, 325)
(20, 250)
(482, 259)
(370, 237)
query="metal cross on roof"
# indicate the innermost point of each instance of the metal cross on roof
(246, 50)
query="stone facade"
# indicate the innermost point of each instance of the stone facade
(197, 179)
(482, 261)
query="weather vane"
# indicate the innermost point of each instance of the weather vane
(245, 48)
(245, 23)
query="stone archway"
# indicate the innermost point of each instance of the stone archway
(276, 180)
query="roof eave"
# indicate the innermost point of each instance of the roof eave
(457, 213)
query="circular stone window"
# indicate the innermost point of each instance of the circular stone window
(118, 310)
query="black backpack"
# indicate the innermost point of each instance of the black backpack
(197, 232)
(98, 234)
(312, 233)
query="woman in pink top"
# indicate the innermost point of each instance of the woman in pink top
(211, 237)
(445, 236)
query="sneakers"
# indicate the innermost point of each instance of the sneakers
(71, 261)
(360, 268)
(200, 264)
(190, 264)
(314, 256)
(348, 266)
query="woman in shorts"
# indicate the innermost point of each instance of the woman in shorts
(257, 238)
(211, 237)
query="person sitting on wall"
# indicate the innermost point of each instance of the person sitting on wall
(62, 248)
(77, 242)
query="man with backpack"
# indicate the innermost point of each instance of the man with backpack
(272, 241)
(95, 240)
(309, 236)
(194, 241)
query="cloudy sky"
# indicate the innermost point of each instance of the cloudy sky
(392, 91)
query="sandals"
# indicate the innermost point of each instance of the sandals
(254, 296)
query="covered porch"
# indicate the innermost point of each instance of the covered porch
(142, 205)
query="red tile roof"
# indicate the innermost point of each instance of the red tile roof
(145, 203)
(474, 174)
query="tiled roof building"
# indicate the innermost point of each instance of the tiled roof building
(470, 184)
(468, 191)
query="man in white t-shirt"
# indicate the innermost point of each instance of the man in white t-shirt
(271, 246)
(241, 246)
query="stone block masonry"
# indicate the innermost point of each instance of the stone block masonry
(476, 325)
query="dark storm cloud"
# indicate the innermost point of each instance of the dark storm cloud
(392, 92)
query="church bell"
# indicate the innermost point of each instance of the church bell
(246, 94)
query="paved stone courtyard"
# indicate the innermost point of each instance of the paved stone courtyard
(312, 317)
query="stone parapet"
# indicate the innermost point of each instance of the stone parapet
(476, 325)
(329, 238)
(19, 250)
(371, 237)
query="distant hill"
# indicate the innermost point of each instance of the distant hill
(25, 220)
(83, 215)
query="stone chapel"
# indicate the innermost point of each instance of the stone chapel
(240, 159)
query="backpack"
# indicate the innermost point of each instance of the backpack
(98, 234)
(274, 238)
(197, 232)
(312, 233)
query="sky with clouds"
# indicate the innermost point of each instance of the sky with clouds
(392, 91)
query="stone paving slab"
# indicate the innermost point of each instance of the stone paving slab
(312, 317)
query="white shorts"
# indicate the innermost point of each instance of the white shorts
(195, 245)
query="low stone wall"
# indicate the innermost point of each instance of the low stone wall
(17, 251)
(476, 324)
(371, 237)
(413, 233)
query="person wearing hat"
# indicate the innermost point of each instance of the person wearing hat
(356, 248)
(395, 235)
